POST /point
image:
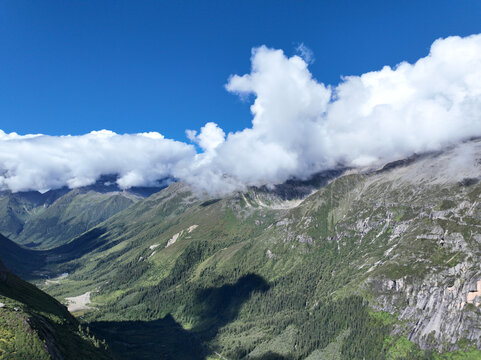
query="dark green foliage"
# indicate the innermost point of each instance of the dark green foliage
(218, 306)
(158, 339)
(272, 306)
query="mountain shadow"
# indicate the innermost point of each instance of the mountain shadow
(81, 245)
(220, 305)
(166, 339)
(299, 188)
(273, 356)
(20, 260)
(209, 202)
(33, 264)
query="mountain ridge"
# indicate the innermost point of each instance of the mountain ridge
(46, 220)
(387, 257)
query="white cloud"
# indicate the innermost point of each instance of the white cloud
(299, 127)
(43, 162)
(210, 137)
(305, 53)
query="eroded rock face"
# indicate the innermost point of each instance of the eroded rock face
(427, 223)
(440, 304)
(440, 310)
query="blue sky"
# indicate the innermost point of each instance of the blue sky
(76, 66)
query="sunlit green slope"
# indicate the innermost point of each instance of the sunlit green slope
(33, 325)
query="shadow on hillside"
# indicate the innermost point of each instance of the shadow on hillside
(209, 202)
(167, 339)
(81, 245)
(32, 264)
(298, 188)
(273, 356)
(18, 259)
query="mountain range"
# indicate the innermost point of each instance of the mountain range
(371, 263)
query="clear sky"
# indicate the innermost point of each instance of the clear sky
(69, 67)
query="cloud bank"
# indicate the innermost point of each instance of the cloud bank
(39, 162)
(300, 126)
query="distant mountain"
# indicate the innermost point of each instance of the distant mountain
(17, 208)
(34, 325)
(57, 216)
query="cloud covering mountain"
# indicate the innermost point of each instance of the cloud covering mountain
(299, 127)
(42, 162)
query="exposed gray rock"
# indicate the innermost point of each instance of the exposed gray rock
(436, 312)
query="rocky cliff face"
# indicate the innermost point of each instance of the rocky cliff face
(430, 275)
(438, 314)
(416, 226)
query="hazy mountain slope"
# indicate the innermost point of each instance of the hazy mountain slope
(33, 325)
(57, 216)
(71, 215)
(404, 240)
(17, 208)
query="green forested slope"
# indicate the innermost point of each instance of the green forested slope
(33, 325)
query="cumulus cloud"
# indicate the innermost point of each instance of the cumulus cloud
(300, 126)
(39, 162)
(209, 138)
